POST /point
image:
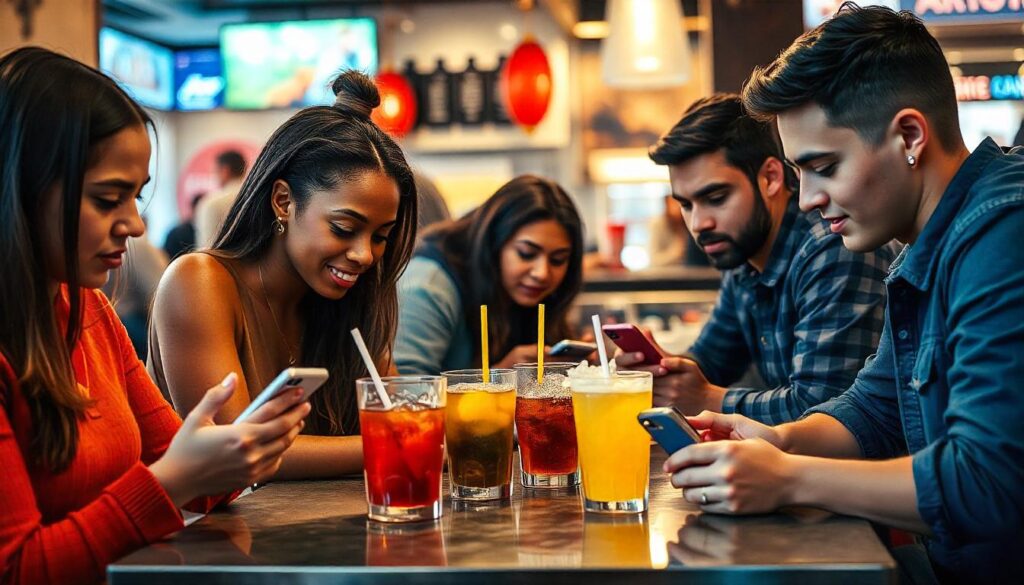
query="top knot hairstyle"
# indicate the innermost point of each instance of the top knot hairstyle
(862, 66)
(720, 122)
(355, 94)
(316, 150)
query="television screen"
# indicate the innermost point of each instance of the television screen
(145, 70)
(198, 81)
(291, 64)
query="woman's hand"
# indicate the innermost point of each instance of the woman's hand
(523, 354)
(205, 458)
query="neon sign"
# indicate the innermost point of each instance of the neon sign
(952, 11)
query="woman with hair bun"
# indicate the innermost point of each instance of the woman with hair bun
(312, 247)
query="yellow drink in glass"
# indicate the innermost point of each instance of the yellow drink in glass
(478, 428)
(614, 450)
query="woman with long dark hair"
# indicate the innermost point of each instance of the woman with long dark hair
(313, 246)
(521, 247)
(95, 463)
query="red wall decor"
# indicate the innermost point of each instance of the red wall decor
(528, 84)
(396, 113)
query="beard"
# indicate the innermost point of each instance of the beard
(750, 239)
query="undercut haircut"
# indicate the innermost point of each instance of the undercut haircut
(861, 67)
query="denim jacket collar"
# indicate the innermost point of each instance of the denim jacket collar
(916, 264)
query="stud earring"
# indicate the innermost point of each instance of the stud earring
(911, 160)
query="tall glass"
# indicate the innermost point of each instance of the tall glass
(547, 430)
(478, 426)
(614, 449)
(403, 447)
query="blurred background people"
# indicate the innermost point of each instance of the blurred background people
(521, 247)
(182, 237)
(213, 208)
(131, 288)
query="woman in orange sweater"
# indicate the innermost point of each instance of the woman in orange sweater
(95, 463)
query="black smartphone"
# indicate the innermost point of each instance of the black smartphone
(573, 350)
(669, 428)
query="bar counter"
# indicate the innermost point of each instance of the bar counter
(666, 278)
(317, 532)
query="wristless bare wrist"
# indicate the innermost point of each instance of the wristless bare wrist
(785, 438)
(168, 479)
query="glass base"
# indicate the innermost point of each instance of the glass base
(540, 480)
(636, 506)
(501, 492)
(405, 514)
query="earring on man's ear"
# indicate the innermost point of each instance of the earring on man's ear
(278, 226)
(911, 160)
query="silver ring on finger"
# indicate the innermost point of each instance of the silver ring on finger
(704, 497)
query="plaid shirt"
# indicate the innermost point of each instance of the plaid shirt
(808, 321)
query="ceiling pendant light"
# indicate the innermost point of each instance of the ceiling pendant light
(647, 47)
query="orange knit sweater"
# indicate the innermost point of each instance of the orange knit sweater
(67, 527)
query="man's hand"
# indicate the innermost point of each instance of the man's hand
(678, 381)
(733, 477)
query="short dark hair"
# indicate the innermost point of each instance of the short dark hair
(720, 122)
(233, 161)
(861, 67)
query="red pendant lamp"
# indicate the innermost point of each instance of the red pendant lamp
(527, 81)
(396, 113)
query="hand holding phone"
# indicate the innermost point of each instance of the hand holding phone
(630, 339)
(309, 379)
(573, 350)
(669, 428)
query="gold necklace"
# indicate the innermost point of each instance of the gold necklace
(288, 346)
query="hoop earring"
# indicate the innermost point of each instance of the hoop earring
(278, 225)
(911, 160)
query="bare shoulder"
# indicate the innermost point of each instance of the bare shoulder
(197, 285)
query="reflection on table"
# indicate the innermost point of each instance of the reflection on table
(314, 531)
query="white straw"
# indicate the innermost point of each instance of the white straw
(601, 351)
(373, 369)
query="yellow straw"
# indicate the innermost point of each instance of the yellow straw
(484, 352)
(540, 343)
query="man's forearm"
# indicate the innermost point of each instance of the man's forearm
(881, 491)
(818, 435)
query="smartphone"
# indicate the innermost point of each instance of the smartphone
(630, 339)
(669, 428)
(309, 379)
(573, 350)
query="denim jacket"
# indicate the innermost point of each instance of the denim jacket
(947, 383)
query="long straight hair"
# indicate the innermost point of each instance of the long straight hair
(472, 245)
(53, 111)
(316, 150)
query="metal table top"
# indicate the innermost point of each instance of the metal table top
(315, 532)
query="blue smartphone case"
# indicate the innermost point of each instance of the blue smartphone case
(668, 427)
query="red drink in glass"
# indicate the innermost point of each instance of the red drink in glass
(403, 455)
(547, 435)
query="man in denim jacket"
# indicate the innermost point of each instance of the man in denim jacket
(930, 437)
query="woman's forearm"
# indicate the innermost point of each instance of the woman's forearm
(316, 457)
